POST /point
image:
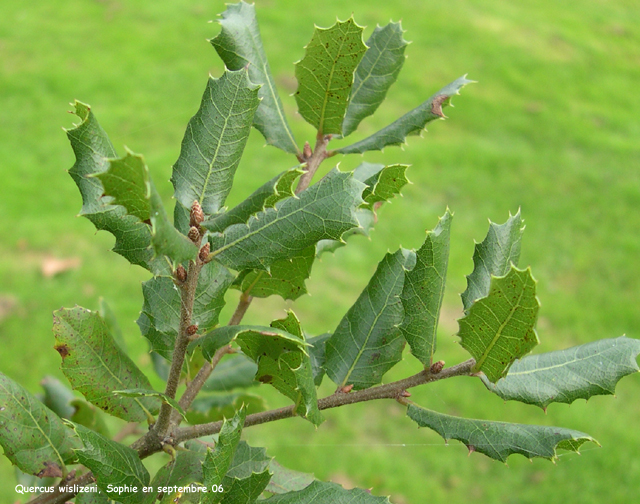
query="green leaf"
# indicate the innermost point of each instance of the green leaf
(159, 321)
(246, 490)
(412, 123)
(214, 407)
(128, 182)
(325, 75)
(323, 211)
(563, 376)
(95, 365)
(88, 415)
(285, 278)
(214, 141)
(286, 480)
(500, 327)
(57, 397)
(93, 497)
(498, 440)
(106, 313)
(33, 437)
(423, 292)
(368, 342)
(383, 182)
(493, 256)
(93, 149)
(184, 469)
(235, 371)
(139, 392)
(321, 492)
(247, 475)
(366, 219)
(375, 74)
(266, 196)
(317, 355)
(114, 466)
(239, 45)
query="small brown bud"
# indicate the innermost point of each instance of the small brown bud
(306, 151)
(181, 273)
(193, 234)
(204, 252)
(346, 389)
(192, 329)
(436, 367)
(404, 393)
(196, 215)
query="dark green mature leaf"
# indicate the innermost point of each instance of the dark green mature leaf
(500, 327)
(106, 313)
(375, 74)
(93, 497)
(412, 123)
(235, 371)
(57, 397)
(286, 480)
(498, 440)
(368, 341)
(214, 141)
(325, 75)
(96, 366)
(563, 376)
(114, 466)
(493, 256)
(383, 182)
(184, 469)
(93, 149)
(317, 355)
(266, 196)
(366, 219)
(323, 211)
(214, 407)
(321, 492)
(33, 437)
(423, 291)
(246, 490)
(285, 278)
(88, 415)
(139, 392)
(239, 45)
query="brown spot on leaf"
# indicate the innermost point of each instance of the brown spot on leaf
(50, 470)
(63, 350)
(265, 378)
(436, 105)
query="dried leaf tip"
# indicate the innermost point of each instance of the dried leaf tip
(436, 105)
(196, 215)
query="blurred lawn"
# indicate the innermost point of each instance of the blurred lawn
(551, 127)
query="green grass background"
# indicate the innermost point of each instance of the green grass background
(551, 127)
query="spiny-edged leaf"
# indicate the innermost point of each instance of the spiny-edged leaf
(93, 149)
(184, 469)
(499, 328)
(323, 211)
(494, 256)
(139, 392)
(246, 490)
(375, 74)
(423, 291)
(498, 440)
(286, 277)
(128, 182)
(235, 371)
(284, 364)
(325, 75)
(239, 45)
(248, 460)
(110, 320)
(160, 317)
(368, 342)
(213, 407)
(317, 355)
(88, 415)
(412, 123)
(266, 196)
(214, 141)
(114, 465)
(383, 182)
(57, 397)
(286, 480)
(563, 376)
(33, 437)
(366, 219)
(96, 366)
(322, 492)
(220, 459)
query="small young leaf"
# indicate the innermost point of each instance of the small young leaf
(114, 466)
(368, 342)
(412, 123)
(138, 392)
(494, 256)
(214, 141)
(239, 45)
(323, 211)
(214, 407)
(423, 291)
(33, 437)
(95, 365)
(499, 328)
(321, 492)
(235, 371)
(325, 75)
(563, 376)
(88, 415)
(498, 440)
(375, 74)
(383, 182)
(286, 480)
